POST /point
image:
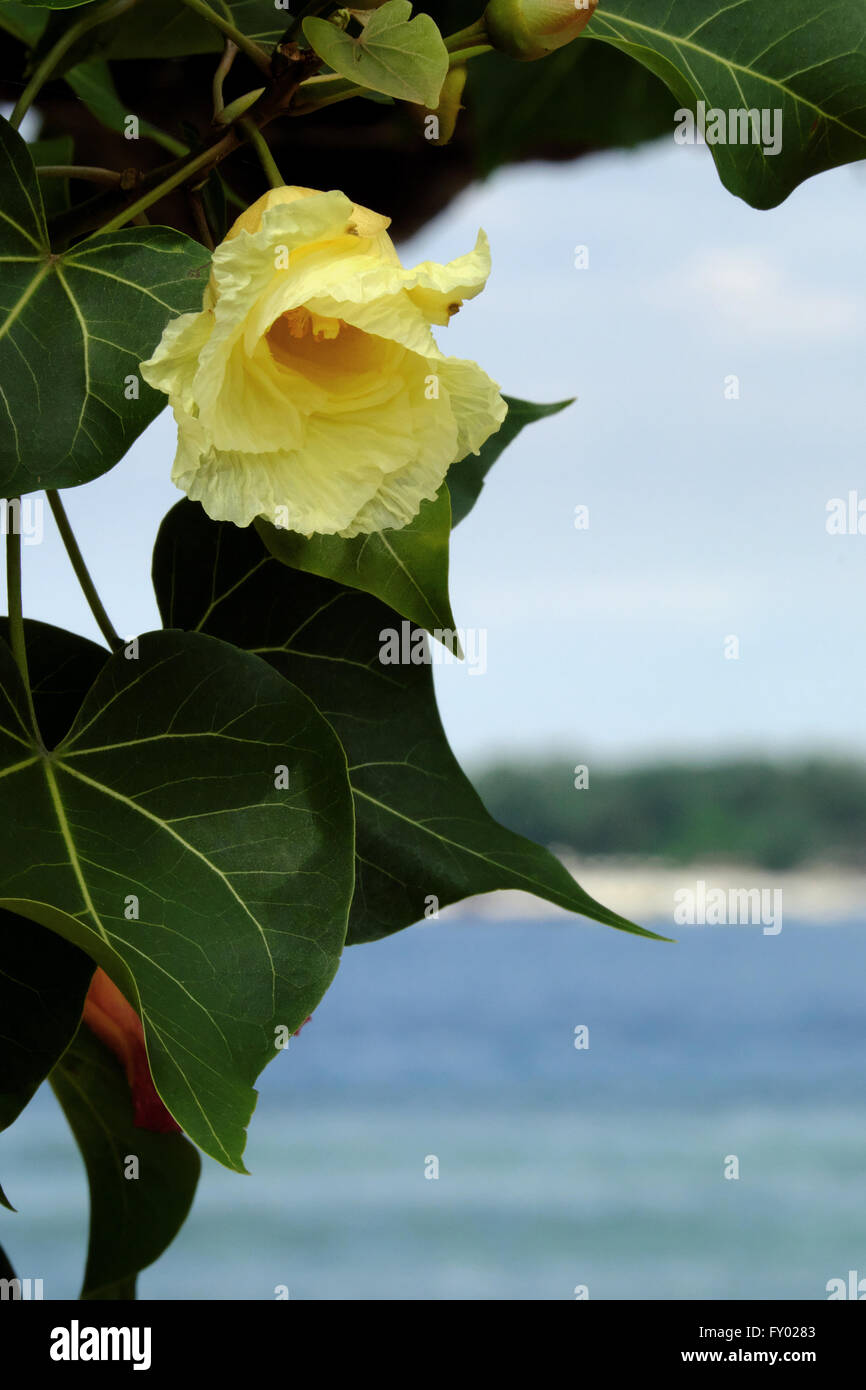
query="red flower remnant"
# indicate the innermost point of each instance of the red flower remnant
(115, 1022)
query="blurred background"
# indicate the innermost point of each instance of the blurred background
(716, 354)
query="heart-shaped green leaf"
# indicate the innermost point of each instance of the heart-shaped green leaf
(62, 668)
(422, 831)
(804, 60)
(407, 568)
(73, 329)
(394, 54)
(141, 1183)
(43, 979)
(193, 834)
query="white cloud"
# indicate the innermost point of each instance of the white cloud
(608, 600)
(741, 290)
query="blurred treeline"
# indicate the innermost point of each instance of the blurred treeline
(769, 814)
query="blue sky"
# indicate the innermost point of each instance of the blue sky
(707, 515)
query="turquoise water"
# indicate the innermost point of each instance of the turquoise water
(557, 1167)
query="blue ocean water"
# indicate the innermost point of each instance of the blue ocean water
(557, 1166)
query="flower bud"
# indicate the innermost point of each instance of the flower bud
(528, 29)
(449, 107)
(236, 108)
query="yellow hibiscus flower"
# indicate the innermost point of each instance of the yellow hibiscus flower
(310, 389)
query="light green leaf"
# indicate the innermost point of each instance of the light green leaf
(394, 54)
(236, 108)
(805, 60)
(161, 838)
(466, 478)
(406, 568)
(421, 828)
(132, 1218)
(73, 329)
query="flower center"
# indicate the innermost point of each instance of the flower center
(302, 323)
(330, 352)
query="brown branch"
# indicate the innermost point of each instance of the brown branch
(88, 216)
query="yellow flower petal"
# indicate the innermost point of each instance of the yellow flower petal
(310, 387)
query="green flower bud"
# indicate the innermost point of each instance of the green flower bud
(236, 108)
(449, 107)
(529, 29)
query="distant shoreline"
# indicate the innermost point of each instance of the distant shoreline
(643, 890)
(804, 816)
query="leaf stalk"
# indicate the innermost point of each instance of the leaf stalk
(248, 46)
(16, 606)
(82, 574)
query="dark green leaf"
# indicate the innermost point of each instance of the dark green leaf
(73, 329)
(393, 54)
(6, 1270)
(214, 199)
(93, 42)
(63, 667)
(93, 83)
(169, 788)
(4, 1263)
(406, 568)
(563, 104)
(132, 1218)
(21, 19)
(55, 192)
(421, 829)
(43, 981)
(804, 59)
(167, 29)
(466, 478)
